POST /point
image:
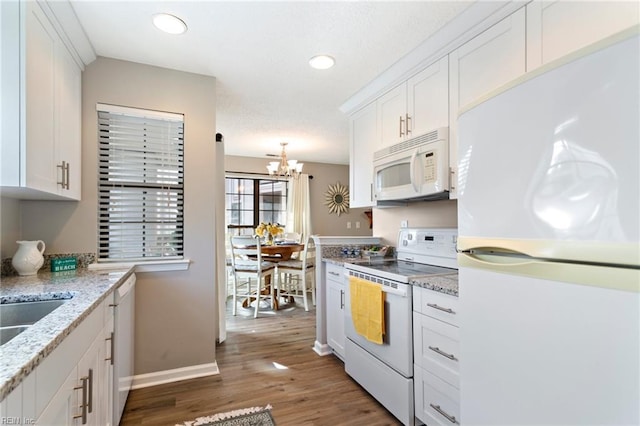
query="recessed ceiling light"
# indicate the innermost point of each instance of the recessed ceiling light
(322, 62)
(169, 23)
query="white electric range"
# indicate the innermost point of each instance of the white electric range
(386, 370)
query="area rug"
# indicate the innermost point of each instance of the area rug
(253, 416)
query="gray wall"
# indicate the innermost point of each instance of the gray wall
(322, 221)
(176, 312)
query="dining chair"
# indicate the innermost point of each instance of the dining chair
(249, 268)
(297, 276)
(292, 237)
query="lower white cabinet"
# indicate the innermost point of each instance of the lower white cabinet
(84, 395)
(436, 357)
(335, 285)
(63, 407)
(75, 381)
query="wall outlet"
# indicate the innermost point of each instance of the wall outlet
(404, 223)
(357, 224)
(348, 225)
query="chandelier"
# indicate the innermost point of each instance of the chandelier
(284, 167)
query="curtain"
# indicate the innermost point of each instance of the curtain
(299, 207)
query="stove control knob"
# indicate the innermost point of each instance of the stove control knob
(405, 243)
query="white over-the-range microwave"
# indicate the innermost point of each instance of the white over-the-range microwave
(414, 169)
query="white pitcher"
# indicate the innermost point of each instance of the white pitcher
(28, 259)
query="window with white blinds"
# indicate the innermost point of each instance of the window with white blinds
(140, 184)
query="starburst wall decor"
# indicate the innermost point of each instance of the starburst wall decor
(337, 199)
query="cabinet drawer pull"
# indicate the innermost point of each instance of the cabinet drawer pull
(66, 176)
(63, 174)
(84, 404)
(334, 273)
(444, 354)
(449, 417)
(110, 339)
(452, 185)
(90, 391)
(341, 299)
(440, 308)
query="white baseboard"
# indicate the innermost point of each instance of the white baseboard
(322, 349)
(175, 375)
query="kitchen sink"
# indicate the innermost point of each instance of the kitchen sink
(8, 333)
(17, 317)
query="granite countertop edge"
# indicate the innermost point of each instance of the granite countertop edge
(85, 290)
(447, 284)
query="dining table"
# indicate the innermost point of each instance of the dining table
(277, 252)
(280, 251)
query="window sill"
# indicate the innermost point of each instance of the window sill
(148, 266)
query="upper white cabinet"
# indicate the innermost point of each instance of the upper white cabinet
(556, 28)
(416, 106)
(484, 63)
(41, 84)
(363, 142)
(428, 98)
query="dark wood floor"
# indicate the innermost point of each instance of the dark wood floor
(307, 389)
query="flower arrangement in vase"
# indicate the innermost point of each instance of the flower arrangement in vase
(269, 231)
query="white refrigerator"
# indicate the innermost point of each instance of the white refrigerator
(549, 257)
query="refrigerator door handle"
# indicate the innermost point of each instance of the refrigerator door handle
(626, 279)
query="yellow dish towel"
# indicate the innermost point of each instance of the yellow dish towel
(367, 309)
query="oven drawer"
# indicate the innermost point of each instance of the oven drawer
(436, 347)
(437, 305)
(387, 386)
(437, 402)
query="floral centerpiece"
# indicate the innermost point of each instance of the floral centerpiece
(269, 231)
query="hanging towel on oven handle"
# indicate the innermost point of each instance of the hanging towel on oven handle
(367, 309)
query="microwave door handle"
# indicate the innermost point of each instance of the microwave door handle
(412, 171)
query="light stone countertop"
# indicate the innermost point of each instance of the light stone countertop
(86, 290)
(447, 284)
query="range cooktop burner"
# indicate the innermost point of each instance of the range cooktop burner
(405, 268)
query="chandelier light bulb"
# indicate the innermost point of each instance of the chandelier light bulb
(284, 167)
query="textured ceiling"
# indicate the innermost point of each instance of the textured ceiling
(259, 52)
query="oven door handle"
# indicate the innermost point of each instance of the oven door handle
(385, 288)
